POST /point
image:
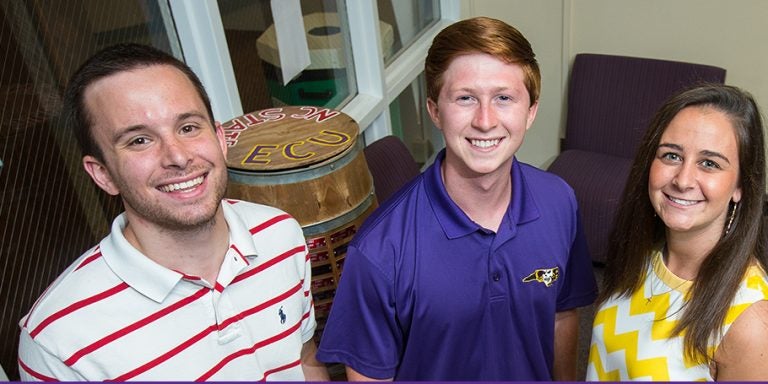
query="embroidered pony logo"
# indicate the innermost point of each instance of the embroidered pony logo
(282, 315)
(547, 276)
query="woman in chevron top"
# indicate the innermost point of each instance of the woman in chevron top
(685, 290)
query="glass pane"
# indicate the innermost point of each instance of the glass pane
(408, 19)
(327, 82)
(411, 122)
(50, 211)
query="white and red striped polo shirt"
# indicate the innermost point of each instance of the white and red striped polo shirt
(117, 315)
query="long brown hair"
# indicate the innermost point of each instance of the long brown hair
(637, 228)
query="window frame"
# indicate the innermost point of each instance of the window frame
(203, 42)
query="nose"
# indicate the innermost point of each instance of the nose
(175, 153)
(485, 117)
(685, 177)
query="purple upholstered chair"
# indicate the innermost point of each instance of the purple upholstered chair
(611, 100)
(391, 166)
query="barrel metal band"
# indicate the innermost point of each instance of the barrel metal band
(316, 229)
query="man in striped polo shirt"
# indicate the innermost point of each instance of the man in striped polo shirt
(187, 286)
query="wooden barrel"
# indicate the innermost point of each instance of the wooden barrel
(309, 162)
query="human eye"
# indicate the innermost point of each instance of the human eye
(138, 141)
(504, 98)
(465, 99)
(710, 164)
(188, 129)
(670, 157)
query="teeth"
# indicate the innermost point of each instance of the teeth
(484, 143)
(182, 186)
(683, 202)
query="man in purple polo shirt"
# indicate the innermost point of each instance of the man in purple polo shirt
(475, 270)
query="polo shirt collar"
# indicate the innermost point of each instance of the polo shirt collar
(133, 267)
(239, 233)
(456, 223)
(242, 248)
(154, 280)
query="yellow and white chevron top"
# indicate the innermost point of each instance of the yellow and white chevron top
(631, 336)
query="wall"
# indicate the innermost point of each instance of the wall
(728, 34)
(542, 24)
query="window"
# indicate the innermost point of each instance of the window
(410, 19)
(254, 49)
(369, 42)
(411, 122)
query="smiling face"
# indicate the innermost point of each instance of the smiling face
(161, 154)
(483, 111)
(695, 173)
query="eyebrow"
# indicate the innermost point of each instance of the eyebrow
(188, 115)
(495, 89)
(127, 131)
(708, 153)
(705, 152)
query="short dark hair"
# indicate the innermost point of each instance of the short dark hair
(481, 35)
(109, 61)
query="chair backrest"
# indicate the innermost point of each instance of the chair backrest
(611, 99)
(391, 166)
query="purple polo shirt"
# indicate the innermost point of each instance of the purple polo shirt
(427, 294)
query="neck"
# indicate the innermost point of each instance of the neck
(686, 252)
(484, 198)
(196, 252)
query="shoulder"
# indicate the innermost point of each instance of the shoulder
(743, 353)
(540, 181)
(257, 217)
(253, 211)
(266, 231)
(752, 322)
(395, 211)
(391, 227)
(746, 326)
(752, 289)
(550, 194)
(86, 276)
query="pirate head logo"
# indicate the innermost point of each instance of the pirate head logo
(547, 276)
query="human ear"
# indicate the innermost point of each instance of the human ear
(220, 136)
(736, 195)
(100, 175)
(531, 114)
(433, 112)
